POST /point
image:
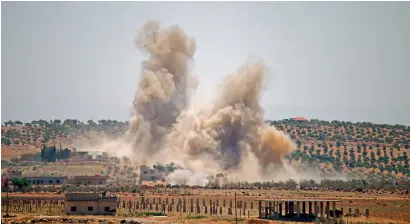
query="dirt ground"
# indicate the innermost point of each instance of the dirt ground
(383, 208)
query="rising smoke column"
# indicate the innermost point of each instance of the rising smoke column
(164, 86)
(229, 135)
(230, 132)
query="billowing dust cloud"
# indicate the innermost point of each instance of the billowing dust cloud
(164, 87)
(227, 136)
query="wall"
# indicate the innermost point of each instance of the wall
(98, 207)
(46, 180)
(88, 181)
(14, 174)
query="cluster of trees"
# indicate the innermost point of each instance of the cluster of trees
(345, 185)
(167, 168)
(51, 154)
(22, 184)
(341, 131)
(45, 131)
(361, 157)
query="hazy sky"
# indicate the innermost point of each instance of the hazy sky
(333, 61)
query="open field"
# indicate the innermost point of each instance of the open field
(383, 208)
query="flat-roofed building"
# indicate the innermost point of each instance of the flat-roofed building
(13, 173)
(88, 180)
(46, 180)
(90, 204)
(149, 174)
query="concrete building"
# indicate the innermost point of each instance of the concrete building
(71, 122)
(299, 119)
(122, 182)
(13, 173)
(90, 204)
(88, 180)
(10, 174)
(149, 174)
(153, 185)
(51, 180)
(298, 209)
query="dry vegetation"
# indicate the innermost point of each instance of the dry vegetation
(383, 208)
(361, 150)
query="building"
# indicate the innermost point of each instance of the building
(80, 156)
(51, 180)
(153, 184)
(10, 174)
(298, 209)
(299, 119)
(149, 174)
(88, 180)
(90, 204)
(13, 173)
(71, 122)
(122, 182)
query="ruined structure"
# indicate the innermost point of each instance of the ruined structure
(298, 209)
(149, 174)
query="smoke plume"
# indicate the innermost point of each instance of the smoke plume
(164, 85)
(229, 135)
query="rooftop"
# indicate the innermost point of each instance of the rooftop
(299, 119)
(153, 183)
(299, 200)
(90, 177)
(86, 196)
(45, 177)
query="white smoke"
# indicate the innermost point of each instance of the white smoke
(187, 177)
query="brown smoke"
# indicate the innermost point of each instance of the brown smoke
(164, 84)
(222, 137)
(234, 126)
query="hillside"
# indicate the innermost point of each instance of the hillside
(361, 147)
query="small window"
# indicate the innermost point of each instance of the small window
(89, 182)
(57, 181)
(145, 172)
(73, 209)
(50, 181)
(90, 208)
(107, 209)
(42, 181)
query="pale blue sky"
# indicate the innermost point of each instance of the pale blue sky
(332, 60)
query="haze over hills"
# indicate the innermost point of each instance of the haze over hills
(331, 147)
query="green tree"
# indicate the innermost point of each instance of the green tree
(6, 141)
(20, 183)
(91, 123)
(291, 184)
(372, 158)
